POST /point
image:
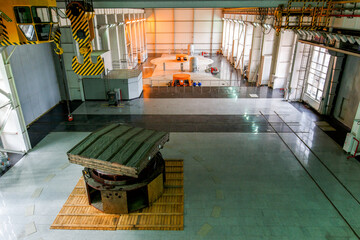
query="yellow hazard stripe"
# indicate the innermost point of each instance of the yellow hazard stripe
(88, 68)
(81, 23)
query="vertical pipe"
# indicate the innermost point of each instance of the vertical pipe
(223, 34)
(275, 55)
(232, 43)
(140, 34)
(243, 52)
(261, 58)
(130, 39)
(174, 29)
(123, 41)
(193, 30)
(144, 36)
(133, 25)
(155, 48)
(224, 37)
(212, 31)
(292, 68)
(228, 38)
(251, 55)
(236, 65)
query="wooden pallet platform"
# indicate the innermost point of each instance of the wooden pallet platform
(167, 213)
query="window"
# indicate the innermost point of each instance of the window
(22, 14)
(43, 31)
(317, 73)
(40, 14)
(28, 31)
(54, 17)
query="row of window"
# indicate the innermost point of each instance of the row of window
(35, 22)
(35, 15)
(317, 73)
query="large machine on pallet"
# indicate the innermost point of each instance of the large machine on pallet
(124, 170)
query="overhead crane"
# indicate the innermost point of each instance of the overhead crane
(28, 22)
(36, 21)
(312, 15)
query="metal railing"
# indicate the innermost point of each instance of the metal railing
(204, 83)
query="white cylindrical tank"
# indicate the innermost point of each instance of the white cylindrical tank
(191, 49)
(194, 64)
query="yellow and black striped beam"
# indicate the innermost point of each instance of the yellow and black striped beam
(79, 18)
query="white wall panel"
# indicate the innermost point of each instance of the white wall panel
(171, 30)
(184, 14)
(184, 27)
(183, 38)
(164, 27)
(203, 14)
(164, 38)
(255, 56)
(204, 27)
(164, 14)
(349, 92)
(285, 54)
(38, 88)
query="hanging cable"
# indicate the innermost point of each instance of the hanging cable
(70, 117)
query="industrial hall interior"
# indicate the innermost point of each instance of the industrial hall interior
(192, 119)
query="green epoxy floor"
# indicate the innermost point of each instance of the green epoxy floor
(237, 185)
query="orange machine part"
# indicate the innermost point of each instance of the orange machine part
(182, 57)
(183, 80)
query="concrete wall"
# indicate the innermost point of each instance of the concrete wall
(349, 92)
(171, 30)
(35, 78)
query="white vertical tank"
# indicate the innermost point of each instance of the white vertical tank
(194, 64)
(191, 49)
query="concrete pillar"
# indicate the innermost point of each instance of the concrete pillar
(134, 37)
(122, 39)
(223, 36)
(144, 35)
(129, 32)
(103, 33)
(113, 38)
(138, 25)
(96, 41)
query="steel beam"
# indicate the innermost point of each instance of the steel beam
(180, 4)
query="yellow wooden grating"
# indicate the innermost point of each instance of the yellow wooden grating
(167, 213)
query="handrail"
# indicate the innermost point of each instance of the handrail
(163, 83)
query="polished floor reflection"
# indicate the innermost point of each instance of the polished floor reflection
(255, 166)
(212, 92)
(268, 170)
